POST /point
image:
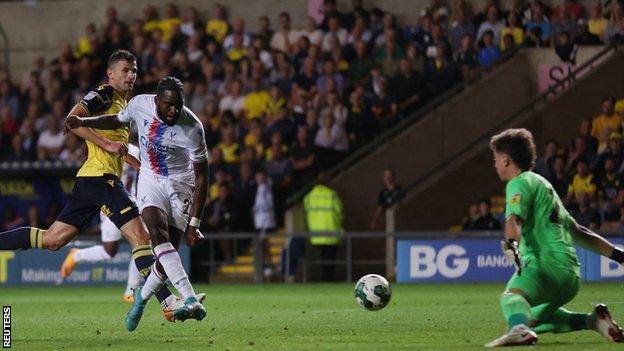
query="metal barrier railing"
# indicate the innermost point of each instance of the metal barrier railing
(349, 260)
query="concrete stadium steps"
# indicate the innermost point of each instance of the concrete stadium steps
(242, 269)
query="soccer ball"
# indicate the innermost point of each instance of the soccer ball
(372, 292)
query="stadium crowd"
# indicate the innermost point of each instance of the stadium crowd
(284, 101)
(587, 173)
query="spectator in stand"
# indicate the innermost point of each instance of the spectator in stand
(533, 38)
(302, 157)
(264, 33)
(584, 36)
(616, 35)
(383, 105)
(243, 193)
(51, 141)
(489, 53)
(285, 38)
(331, 140)
(16, 152)
(33, 217)
(512, 28)
(312, 32)
(361, 64)
(606, 123)
(492, 24)
(264, 215)
(329, 73)
(610, 191)
(473, 215)
(74, 151)
(222, 218)
(579, 151)
(11, 219)
(217, 27)
(409, 88)
(334, 30)
(192, 22)
(486, 220)
(171, 21)
(585, 133)
(562, 22)
(461, 28)
(466, 57)
(228, 145)
(584, 214)
(540, 21)
(544, 163)
(234, 101)
(583, 181)
(389, 197)
(8, 97)
(560, 179)
(566, 49)
(238, 29)
(597, 23)
(441, 73)
(574, 9)
(257, 101)
(613, 151)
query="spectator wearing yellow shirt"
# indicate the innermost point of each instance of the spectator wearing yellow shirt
(221, 178)
(257, 101)
(237, 52)
(597, 23)
(583, 181)
(217, 26)
(253, 139)
(228, 145)
(84, 43)
(619, 107)
(277, 100)
(150, 18)
(171, 20)
(276, 143)
(511, 28)
(606, 123)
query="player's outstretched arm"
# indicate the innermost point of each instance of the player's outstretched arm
(108, 122)
(193, 235)
(588, 239)
(86, 133)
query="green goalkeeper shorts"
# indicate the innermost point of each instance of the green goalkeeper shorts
(547, 284)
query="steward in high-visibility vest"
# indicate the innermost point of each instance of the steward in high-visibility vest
(324, 214)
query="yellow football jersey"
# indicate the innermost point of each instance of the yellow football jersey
(105, 100)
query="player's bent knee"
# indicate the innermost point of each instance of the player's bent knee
(136, 232)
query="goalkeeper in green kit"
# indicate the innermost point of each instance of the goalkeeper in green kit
(539, 238)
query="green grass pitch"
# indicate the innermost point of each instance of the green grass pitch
(286, 317)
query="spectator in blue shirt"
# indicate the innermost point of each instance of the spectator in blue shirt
(489, 53)
(542, 22)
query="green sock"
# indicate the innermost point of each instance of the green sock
(563, 321)
(516, 309)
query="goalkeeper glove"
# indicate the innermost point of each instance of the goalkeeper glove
(510, 249)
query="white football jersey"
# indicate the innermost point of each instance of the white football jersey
(167, 151)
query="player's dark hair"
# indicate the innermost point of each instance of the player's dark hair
(518, 144)
(120, 55)
(172, 84)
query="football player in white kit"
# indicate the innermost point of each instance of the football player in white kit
(111, 235)
(172, 186)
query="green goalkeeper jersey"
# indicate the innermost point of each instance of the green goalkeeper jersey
(546, 224)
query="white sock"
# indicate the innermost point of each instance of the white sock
(92, 254)
(134, 278)
(153, 283)
(169, 258)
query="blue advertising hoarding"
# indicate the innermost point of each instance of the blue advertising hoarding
(481, 260)
(42, 267)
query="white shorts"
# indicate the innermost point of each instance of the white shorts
(174, 196)
(109, 230)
